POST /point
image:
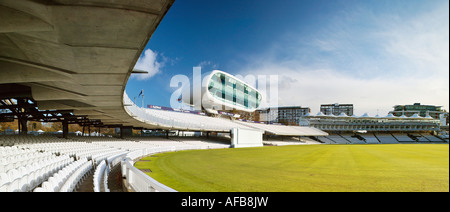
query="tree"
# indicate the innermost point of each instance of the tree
(11, 125)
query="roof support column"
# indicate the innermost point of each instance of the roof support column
(23, 129)
(65, 124)
(126, 131)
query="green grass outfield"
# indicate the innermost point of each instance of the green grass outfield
(316, 168)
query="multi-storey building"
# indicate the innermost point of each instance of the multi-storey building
(336, 109)
(388, 123)
(417, 108)
(284, 115)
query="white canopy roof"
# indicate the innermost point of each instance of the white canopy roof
(286, 130)
(343, 115)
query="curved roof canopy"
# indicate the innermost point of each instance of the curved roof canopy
(75, 55)
(79, 55)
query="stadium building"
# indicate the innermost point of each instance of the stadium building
(336, 109)
(417, 108)
(283, 115)
(390, 129)
(69, 62)
(223, 92)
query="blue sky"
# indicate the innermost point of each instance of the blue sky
(372, 53)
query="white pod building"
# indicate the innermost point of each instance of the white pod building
(221, 91)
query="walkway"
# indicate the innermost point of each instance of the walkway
(114, 181)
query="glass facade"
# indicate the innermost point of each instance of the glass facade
(371, 124)
(283, 115)
(229, 90)
(417, 108)
(337, 109)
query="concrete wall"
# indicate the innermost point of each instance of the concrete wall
(246, 138)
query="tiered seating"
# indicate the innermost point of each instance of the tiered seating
(307, 140)
(11, 140)
(370, 139)
(13, 157)
(78, 150)
(352, 139)
(91, 139)
(100, 177)
(48, 162)
(418, 137)
(386, 139)
(74, 179)
(403, 137)
(43, 164)
(285, 130)
(432, 138)
(176, 142)
(200, 141)
(32, 172)
(282, 141)
(325, 140)
(309, 131)
(67, 178)
(338, 139)
(194, 122)
(187, 121)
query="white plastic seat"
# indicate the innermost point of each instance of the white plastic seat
(47, 186)
(13, 174)
(14, 186)
(32, 180)
(39, 176)
(23, 184)
(4, 178)
(4, 187)
(39, 189)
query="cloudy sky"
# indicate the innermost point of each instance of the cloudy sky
(371, 53)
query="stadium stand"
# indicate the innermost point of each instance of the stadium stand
(179, 120)
(308, 140)
(211, 143)
(185, 120)
(338, 139)
(432, 138)
(403, 138)
(325, 140)
(50, 164)
(370, 139)
(285, 130)
(353, 139)
(283, 141)
(418, 137)
(386, 139)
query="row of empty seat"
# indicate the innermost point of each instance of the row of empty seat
(28, 163)
(284, 141)
(27, 177)
(183, 121)
(67, 178)
(379, 138)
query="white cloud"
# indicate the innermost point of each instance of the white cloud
(311, 88)
(148, 62)
(396, 60)
(423, 42)
(207, 65)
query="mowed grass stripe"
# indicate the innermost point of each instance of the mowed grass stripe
(337, 168)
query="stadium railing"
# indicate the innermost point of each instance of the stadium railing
(136, 179)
